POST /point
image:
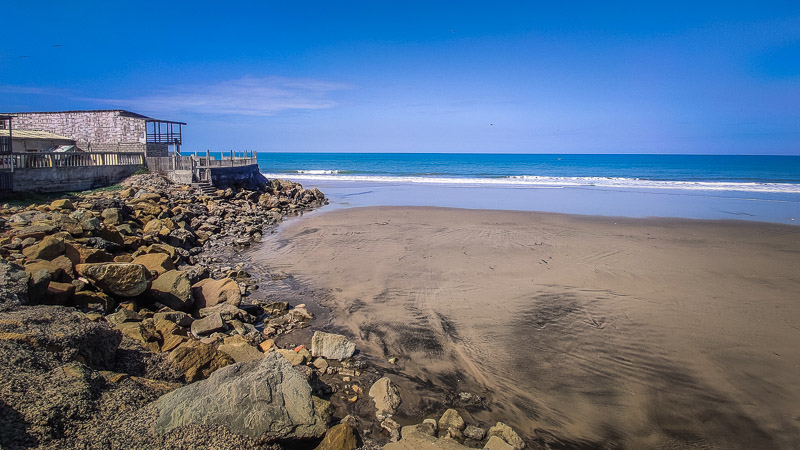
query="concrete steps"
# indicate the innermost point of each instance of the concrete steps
(205, 187)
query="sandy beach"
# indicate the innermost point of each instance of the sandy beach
(575, 330)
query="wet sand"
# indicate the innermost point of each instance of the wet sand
(576, 330)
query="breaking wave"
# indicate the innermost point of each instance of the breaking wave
(548, 182)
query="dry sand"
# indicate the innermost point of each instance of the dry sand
(577, 330)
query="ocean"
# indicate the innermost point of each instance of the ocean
(763, 188)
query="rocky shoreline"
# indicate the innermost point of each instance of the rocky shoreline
(126, 321)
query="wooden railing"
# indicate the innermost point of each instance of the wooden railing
(199, 163)
(14, 161)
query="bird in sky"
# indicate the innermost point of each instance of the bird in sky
(24, 56)
(58, 45)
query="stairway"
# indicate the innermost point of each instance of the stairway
(205, 187)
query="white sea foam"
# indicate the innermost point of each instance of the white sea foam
(549, 182)
(318, 172)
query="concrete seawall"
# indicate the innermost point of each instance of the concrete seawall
(242, 176)
(61, 179)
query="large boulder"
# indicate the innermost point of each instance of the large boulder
(120, 279)
(210, 292)
(261, 399)
(331, 346)
(173, 289)
(386, 397)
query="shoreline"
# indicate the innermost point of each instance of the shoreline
(299, 236)
(633, 203)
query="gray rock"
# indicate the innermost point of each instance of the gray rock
(331, 346)
(261, 399)
(386, 397)
(208, 325)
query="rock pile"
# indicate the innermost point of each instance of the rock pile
(137, 252)
(452, 433)
(133, 261)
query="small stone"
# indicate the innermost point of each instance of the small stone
(177, 317)
(208, 325)
(392, 427)
(473, 432)
(267, 345)
(386, 397)
(339, 437)
(426, 428)
(112, 216)
(123, 315)
(451, 418)
(496, 443)
(321, 364)
(331, 346)
(433, 423)
(62, 204)
(293, 357)
(507, 434)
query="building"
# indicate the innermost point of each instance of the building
(38, 141)
(112, 130)
(5, 140)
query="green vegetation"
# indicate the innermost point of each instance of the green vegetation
(142, 171)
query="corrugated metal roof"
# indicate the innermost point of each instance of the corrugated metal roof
(120, 111)
(24, 134)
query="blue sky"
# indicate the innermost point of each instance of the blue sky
(507, 77)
